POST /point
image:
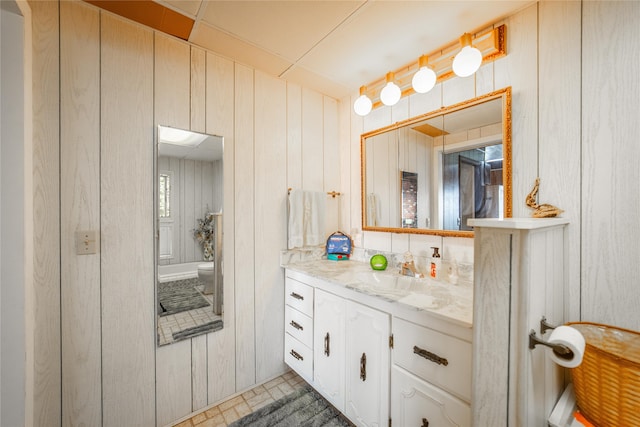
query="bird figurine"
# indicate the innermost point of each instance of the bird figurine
(541, 211)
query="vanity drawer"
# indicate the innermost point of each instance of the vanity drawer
(435, 357)
(299, 326)
(299, 296)
(298, 356)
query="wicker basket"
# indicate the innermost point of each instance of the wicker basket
(607, 382)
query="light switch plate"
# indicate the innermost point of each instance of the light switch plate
(86, 242)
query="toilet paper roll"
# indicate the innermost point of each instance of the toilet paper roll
(573, 340)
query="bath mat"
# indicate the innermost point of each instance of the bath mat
(178, 296)
(213, 326)
(302, 408)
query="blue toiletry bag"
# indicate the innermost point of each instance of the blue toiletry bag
(339, 243)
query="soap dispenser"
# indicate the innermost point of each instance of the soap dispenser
(434, 270)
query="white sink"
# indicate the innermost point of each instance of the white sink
(394, 284)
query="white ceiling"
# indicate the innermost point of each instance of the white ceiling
(334, 47)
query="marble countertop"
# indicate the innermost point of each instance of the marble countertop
(442, 299)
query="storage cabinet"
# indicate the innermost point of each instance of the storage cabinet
(440, 359)
(418, 403)
(342, 347)
(367, 365)
(329, 347)
(298, 339)
(431, 377)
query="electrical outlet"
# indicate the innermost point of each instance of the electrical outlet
(86, 242)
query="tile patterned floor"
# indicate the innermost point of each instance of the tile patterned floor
(252, 400)
(171, 323)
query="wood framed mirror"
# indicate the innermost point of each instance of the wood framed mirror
(459, 162)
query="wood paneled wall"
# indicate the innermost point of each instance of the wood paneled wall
(94, 330)
(96, 357)
(575, 103)
(194, 192)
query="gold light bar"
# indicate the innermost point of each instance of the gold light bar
(491, 42)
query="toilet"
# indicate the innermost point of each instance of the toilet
(206, 276)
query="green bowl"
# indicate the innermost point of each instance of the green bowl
(378, 262)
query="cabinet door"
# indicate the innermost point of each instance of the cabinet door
(417, 403)
(367, 365)
(329, 347)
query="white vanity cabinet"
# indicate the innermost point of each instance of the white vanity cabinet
(430, 377)
(428, 380)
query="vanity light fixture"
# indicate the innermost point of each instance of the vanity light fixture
(468, 60)
(363, 104)
(391, 93)
(487, 44)
(425, 78)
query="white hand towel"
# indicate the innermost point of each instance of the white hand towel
(296, 219)
(373, 206)
(315, 208)
(306, 218)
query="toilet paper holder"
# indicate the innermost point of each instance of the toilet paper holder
(559, 349)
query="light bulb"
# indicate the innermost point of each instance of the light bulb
(468, 60)
(363, 105)
(423, 80)
(391, 93)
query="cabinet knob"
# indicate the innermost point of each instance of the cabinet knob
(425, 422)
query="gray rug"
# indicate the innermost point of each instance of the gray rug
(213, 326)
(302, 408)
(178, 296)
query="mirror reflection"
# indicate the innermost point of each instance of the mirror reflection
(189, 194)
(431, 173)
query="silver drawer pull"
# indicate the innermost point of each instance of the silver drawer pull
(430, 356)
(297, 296)
(296, 325)
(296, 355)
(363, 367)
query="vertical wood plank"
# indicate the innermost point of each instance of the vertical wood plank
(331, 154)
(172, 90)
(294, 136)
(172, 81)
(128, 309)
(491, 352)
(220, 110)
(519, 70)
(610, 173)
(199, 391)
(80, 210)
(189, 213)
(173, 381)
(244, 229)
(559, 128)
(270, 175)
(198, 89)
(46, 230)
(312, 151)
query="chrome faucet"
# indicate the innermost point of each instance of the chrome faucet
(408, 267)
